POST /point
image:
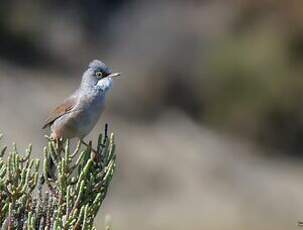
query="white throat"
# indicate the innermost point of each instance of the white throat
(105, 84)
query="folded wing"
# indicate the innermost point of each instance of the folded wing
(66, 107)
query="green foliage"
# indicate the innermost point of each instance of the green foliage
(67, 194)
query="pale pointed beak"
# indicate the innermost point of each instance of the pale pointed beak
(114, 75)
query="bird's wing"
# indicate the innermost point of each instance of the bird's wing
(66, 107)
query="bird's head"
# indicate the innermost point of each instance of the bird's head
(98, 75)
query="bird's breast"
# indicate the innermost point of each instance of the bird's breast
(88, 112)
(92, 106)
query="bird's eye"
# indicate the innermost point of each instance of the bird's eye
(99, 74)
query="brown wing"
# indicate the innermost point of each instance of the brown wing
(59, 111)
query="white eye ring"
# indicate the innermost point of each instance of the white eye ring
(99, 74)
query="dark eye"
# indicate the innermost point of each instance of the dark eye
(99, 74)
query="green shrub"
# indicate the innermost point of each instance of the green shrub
(66, 194)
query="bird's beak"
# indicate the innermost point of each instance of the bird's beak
(114, 75)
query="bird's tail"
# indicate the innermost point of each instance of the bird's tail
(52, 173)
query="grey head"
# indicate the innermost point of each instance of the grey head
(97, 75)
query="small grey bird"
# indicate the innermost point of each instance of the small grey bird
(79, 113)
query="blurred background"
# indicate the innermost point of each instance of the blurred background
(208, 114)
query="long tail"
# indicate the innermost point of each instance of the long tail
(53, 170)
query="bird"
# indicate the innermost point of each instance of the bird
(79, 113)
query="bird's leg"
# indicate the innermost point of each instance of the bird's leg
(87, 145)
(96, 156)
